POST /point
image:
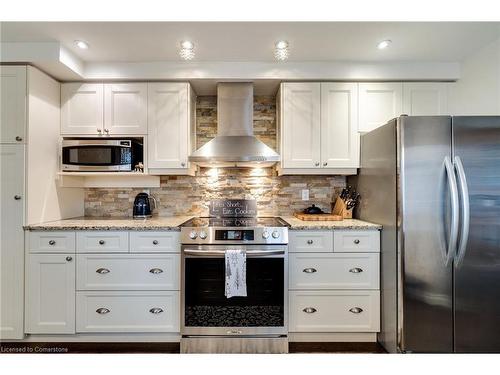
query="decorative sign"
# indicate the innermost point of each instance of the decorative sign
(233, 208)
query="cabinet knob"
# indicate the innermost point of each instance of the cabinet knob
(102, 310)
(52, 242)
(69, 259)
(356, 270)
(102, 242)
(107, 131)
(316, 164)
(155, 242)
(309, 270)
(310, 310)
(103, 271)
(156, 270)
(310, 242)
(17, 197)
(356, 310)
(99, 131)
(356, 241)
(156, 310)
(183, 164)
(19, 139)
(325, 164)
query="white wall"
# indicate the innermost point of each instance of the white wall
(477, 92)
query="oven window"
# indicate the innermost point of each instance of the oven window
(207, 306)
(96, 155)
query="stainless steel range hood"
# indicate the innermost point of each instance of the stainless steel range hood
(235, 144)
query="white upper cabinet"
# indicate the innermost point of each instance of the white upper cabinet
(13, 104)
(378, 103)
(300, 125)
(169, 106)
(82, 108)
(125, 108)
(339, 125)
(425, 98)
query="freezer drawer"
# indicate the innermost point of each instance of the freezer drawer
(334, 271)
(334, 311)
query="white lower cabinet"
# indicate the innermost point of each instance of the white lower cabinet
(50, 294)
(334, 311)
(127, 311)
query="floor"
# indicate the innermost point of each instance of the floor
(172, 348)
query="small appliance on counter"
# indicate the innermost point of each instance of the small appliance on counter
(142, 206)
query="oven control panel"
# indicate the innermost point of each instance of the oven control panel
(236, 235)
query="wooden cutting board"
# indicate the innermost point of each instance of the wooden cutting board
(317, 217)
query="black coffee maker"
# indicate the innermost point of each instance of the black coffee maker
(142, 206)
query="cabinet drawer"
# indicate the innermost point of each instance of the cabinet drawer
(127, 312)
(364, 241)
(153, 242)
(102, 242)
(127, 272)
(334, 311)
(334, 271)
(310, 241)
(51, 242)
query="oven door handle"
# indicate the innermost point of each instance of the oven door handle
(222, 252)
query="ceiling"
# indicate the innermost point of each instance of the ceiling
(254, 41)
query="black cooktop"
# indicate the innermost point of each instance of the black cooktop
(253, 222)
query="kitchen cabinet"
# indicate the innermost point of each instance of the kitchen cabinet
(425, 98)
(103, 109)
(50, 293)
(13, 104)
(11, 241)
(170, 126)
(378, 103)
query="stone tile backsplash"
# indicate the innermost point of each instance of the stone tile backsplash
(186, 195)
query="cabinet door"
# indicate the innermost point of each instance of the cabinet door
(82, 108)
(50, 293)
(339, 125)
(125, 108)
(300, 125)
(13, 104)
(168, 125)
(11, 241)
(425, 98)
(378, 103)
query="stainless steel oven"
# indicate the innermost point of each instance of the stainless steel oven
(101, 155)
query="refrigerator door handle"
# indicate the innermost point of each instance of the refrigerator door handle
(464, 193)
(452, 185)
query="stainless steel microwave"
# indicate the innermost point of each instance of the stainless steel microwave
(101, 155)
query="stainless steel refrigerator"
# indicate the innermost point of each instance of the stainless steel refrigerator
(434, 184)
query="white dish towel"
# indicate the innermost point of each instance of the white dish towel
(236, 273)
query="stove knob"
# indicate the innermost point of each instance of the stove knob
(265, 234)
(193, 235)
(203, 235)
(276, 234)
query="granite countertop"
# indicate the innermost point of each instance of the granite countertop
(96, 223)
(297, 224)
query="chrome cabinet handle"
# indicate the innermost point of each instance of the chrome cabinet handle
(107, 131)
(309, 270)
(464, 193)
(156, 271)
(52, 242)
(99, 131)
(69, 259)
(102, 242)
(183, 164)
(155, 242)
(19, 139)
(356, 241)
(356, 310)
(17, 197)
(310, 242)
(316, 164)
(156, 310)
(310, 310)
(102, 310)
(355, 270)
(103, 271)
(325, 164)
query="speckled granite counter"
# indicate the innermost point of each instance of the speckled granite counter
(96, 223)
(297, 224)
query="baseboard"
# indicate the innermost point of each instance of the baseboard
(333, 337)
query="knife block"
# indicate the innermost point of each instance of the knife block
(339, 208)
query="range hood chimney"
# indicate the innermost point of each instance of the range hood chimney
(235, 144)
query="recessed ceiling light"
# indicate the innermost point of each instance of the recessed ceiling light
(384, 44)
(81, 44)
(187, 50)
(281, 50)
